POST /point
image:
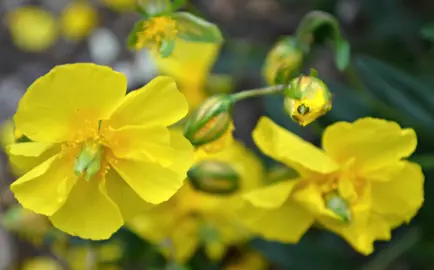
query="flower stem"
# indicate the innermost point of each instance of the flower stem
(275, 89)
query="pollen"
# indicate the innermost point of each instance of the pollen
(155, 30)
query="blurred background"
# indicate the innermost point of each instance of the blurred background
(390, 76)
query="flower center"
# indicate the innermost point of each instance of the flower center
(89, 159)
(155, 30)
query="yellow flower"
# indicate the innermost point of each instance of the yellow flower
(190, 64)
(103, 256)
(360, 186)
(113, 151)
(315, 100)
(78, 20)
(192, 218)
(41, 263)
(154, 31)
(120, 5)
(32, 29)
(250, 260)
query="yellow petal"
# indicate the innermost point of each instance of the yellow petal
(190, 62)
(159, 103)
(290, 149)
(88, 213)
(142, 143)
(41, 263)
(374, 143)
(361, 236)
(152, 182)
(311, 198)
(184, 240)
(45, 188)
(243, 160)
(271, 196)
(400, 198)
(215, 250)
(287, 223)
(68, 102)
(25, 156)
(128, 202)
(7, 133)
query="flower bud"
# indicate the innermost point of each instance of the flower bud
(339, 206)
(210, 121)
(214, 177)
(283, 61)
(314, 99)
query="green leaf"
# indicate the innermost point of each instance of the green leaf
(132, 37)
(154, 7)
(342, 54)
(195, 29)
(167, 47)
(428, 32)
(177, 4)
(319, 26)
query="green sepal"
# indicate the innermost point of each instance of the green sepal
(154, 7)
(23, 139)
(166, 47)
(214, 177)
(215, 106)
(132, 37)
(194, 29)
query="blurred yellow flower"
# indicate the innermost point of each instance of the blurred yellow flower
(155, 31)
(120, 5)
(95, 257)
(249, 260)
(41, 263)
(314, 102)
(32, 28)
(78, 20)
(113, 155)
(192, 218)
(190, 64)
(359, 187)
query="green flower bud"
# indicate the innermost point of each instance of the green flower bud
(214, 177)
(306, 99)
(282, 62)
(210, 121)
(339, 206)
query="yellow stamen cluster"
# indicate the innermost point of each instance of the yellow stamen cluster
(155, 30)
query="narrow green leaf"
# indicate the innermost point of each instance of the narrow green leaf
(177, 4)
(195, 29)
(342, 54)
(167, 47)
(132, 37)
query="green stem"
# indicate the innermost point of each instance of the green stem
(275, 89)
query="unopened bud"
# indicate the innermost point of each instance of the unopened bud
(313, 99)
(214, 177)
(282, 62)
(210, 121)
(339, 206)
